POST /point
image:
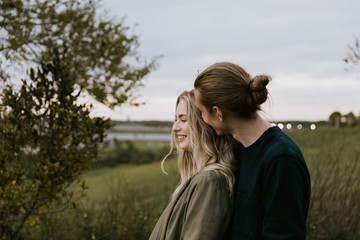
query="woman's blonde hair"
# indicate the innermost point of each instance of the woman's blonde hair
(209, 151)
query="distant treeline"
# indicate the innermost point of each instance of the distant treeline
(337, 119)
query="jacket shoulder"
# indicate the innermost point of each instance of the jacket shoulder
(209, 176)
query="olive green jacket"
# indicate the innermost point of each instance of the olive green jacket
(201, 210)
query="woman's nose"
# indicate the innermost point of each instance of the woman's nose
(176, 126)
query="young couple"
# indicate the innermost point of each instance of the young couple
(241, 178)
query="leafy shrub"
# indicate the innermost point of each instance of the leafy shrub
(46, 139)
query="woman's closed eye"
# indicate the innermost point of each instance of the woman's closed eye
(183, 119)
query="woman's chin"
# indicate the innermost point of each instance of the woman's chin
(184, 146)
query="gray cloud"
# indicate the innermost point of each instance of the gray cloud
(285, 39)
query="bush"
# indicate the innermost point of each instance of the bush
(46, 139)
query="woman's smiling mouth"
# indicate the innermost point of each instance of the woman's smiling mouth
(181, 137)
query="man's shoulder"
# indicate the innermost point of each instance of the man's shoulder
(280, 144)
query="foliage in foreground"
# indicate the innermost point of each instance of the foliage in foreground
(46, 140)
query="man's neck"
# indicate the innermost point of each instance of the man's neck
(247, 131)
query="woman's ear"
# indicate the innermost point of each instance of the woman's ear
(218, 112)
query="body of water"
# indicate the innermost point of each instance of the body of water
(139, 136)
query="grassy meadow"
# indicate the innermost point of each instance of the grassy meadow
(124, 201)
(146, 179)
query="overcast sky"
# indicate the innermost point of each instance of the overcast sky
(300, 44)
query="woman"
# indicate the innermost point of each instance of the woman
(201, 207)
(273, 182)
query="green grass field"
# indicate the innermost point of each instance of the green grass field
(333, 158)
(123, 202)
(102, 182)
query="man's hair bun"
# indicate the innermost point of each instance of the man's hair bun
(257, 88)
